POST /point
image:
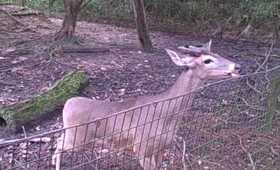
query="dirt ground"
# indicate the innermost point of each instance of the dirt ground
(30, 62)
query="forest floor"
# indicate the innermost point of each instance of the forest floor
(31, 62)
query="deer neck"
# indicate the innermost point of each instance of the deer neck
(185, 83)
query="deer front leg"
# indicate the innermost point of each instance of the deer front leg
(158, 157)
(153, 162)
(56, 160)
(148, 163)
(152, 158)
(146, 157)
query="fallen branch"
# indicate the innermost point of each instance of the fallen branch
(85, 50)
(251, 107)
(245, 32)
(184, 155)
(267, 56)
(19, 52)
(26, 112)
(7, 83)
(248, 154)
(26, 13)
(253, 88)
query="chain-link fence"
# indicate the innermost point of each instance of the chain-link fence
(224, 125)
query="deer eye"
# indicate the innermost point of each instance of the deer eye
(208, 61)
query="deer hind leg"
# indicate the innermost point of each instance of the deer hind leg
(56, 158)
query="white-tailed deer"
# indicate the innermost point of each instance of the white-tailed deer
(151, 127)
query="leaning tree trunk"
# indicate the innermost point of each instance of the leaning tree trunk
(72, 9)
(141, 25)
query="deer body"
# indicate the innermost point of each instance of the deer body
(148, 141)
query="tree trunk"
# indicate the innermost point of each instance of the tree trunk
(15, 116)
(276, 31)
(72, 9)
(141, 25)
(273, 103)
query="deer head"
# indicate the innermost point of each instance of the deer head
(203, 62)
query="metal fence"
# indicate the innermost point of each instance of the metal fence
(224, 127)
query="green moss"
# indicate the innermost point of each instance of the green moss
(33, 109)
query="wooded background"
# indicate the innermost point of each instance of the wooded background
(242, 12)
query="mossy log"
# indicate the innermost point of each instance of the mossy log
(24, 113)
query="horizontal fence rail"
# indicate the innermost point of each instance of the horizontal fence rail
(223, 127)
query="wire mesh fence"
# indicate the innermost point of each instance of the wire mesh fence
(220, 126)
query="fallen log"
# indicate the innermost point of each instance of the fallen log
(25, 113)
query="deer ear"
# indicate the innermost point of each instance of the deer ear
(186, 61)
(175, 57)
(191, 49)
(208, 45)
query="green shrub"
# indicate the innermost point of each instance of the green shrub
(193, 11)
(112, 8)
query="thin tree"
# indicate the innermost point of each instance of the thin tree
(141, 25)
(73, 7)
